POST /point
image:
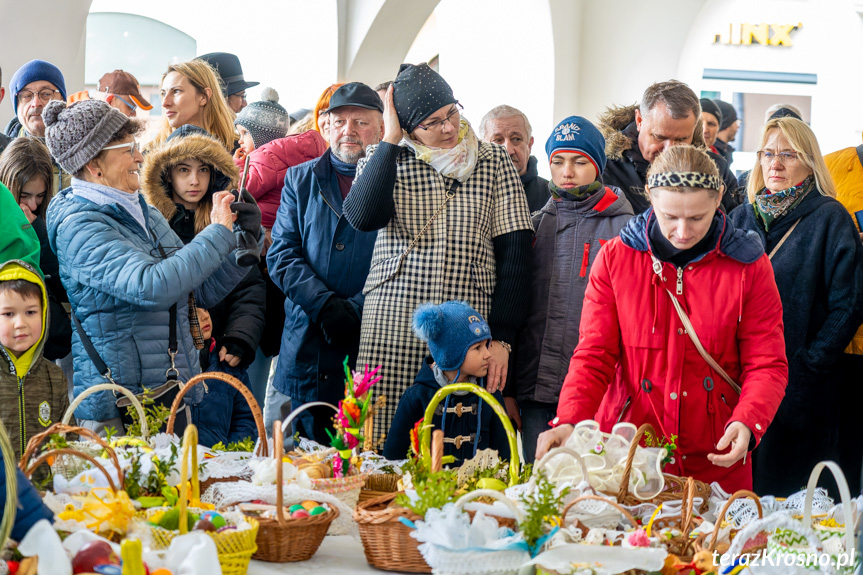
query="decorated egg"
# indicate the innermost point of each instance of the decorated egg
(318, 510)
(296, 507)
(161, 571)
(299, 514)
(204, 525)
(309, 505)
(217, 520)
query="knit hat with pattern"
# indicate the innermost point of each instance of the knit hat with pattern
(419, 92)
(265, 120)
(450, 329)
(77, 133)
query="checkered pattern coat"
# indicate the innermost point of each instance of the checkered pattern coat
(453, 259)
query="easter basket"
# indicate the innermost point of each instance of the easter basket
(754, 545)
(235, 546)
(284, 540)
(454, 543)
(250, 400)
(70, 466)
(386, 540)
(680, 541)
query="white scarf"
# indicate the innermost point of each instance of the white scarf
(458, 162)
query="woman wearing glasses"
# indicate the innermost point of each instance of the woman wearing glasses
(127, 274)
(817, 259)
(453, 225)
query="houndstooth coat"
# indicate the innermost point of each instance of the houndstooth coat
(452, 260)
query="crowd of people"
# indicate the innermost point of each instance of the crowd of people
(644, 282)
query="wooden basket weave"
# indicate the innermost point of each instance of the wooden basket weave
(247, 395)
(386, 540)
(285, 540)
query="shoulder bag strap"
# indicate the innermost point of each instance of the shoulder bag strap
(687, 325)
(101, 367)
(450, 193)
(173, 346)
(782, 241)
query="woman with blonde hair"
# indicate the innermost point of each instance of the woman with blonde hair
(191, 95)
(817, 260)
(677, 272)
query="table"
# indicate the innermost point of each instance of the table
(338, 555)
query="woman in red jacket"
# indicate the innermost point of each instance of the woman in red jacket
(635, 360)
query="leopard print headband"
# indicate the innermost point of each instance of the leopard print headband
(684, 180)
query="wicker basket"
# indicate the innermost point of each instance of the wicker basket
(56, 455)
(11, 507)
(757, 544)
(284, 540)
(386, 540)
(675, 487)
(684, 546)
(379, 484)
(235, 547)
(583, 527)
(247, 395)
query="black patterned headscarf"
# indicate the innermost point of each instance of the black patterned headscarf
(419, 92)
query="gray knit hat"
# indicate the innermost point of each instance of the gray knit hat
(76, 134)
(265, 120)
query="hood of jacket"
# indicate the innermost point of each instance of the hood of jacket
(13, 128)
(159, 161)
(19, 239)
(610, 201)
(614, 120)
(20, 270)
(738, 244)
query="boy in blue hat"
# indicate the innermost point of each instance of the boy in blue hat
(458, 338)
(581, 215)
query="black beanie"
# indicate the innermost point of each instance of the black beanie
(729, 114)
(709, 106)
(419, 92)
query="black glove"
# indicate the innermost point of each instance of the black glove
(248, 214)
(339, 323)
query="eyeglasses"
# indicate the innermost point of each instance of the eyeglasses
(133, 147)
(24, 96)
(124, 100)
(766, 157)
(437, 125)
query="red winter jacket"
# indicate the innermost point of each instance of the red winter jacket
(634, 361)
(268, 164)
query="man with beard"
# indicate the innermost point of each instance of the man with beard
(34, 85)
(321, 264)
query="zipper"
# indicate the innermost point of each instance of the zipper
(623, 411)
(679, 281)
(584, 259)
(22, 428)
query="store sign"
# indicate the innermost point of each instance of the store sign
(745, 34)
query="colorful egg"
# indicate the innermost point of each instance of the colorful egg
(309, 505)
(217, 520)
(299, 514)
(296, 507)
(318, 510)
(161, 571)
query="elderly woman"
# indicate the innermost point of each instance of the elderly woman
(817, 259)
(127, 274)
(454, 225)
(191, 95)
(636, 360)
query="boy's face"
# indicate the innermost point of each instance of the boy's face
(206, 323)
(20, 321)
(190, 180)
(476, 360)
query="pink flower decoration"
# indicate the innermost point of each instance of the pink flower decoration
(639, 538)
(351, 441)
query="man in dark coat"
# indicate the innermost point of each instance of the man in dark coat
(508, 127)
(321, 263)
(669, 114)
(727, 130)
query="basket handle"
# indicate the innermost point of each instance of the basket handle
(437, 450)
(278, 448)
(497, 495)
(236, 384)
(741, 494)
(11, 507)
(617, 506)
(844, 492)
(62, 429)
(293, 414)
(55, 452)
(630, 457)
(190, 448)
(145, 429)
(425, 429)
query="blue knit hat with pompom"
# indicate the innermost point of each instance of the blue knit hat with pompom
(450, 329)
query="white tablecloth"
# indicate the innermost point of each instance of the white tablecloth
(337, 555)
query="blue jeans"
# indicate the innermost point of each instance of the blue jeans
(534, 420)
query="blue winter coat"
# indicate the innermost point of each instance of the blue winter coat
(121, 289)
(30, 506)
(224, 415)
(315, 254)
(416, 399)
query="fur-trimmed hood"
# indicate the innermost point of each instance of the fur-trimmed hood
(615, 119)
(159, 161)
